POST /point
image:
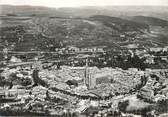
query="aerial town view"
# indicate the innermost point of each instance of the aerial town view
(89, 61)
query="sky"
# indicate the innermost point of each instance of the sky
(78, 3)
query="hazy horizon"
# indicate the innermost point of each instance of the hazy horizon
(83, 3)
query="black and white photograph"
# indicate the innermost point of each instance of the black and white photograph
(84, 58)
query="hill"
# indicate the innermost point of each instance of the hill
(119, 23)
(150, 21)
(87, 11)
(30, 11)
(40, 28)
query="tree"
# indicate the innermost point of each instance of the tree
(123, 105)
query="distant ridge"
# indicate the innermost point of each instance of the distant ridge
(119, 23)
(150, 21)
(26, 10)
(87, 11)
